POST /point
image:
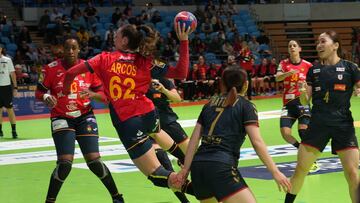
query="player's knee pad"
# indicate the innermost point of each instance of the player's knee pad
(62, 170)
(98, 168)
(164, 159)
(160, 177)
(302, 133)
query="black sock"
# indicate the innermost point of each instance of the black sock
(176, 151)
(164, 159)
(296, 144)
(13, 127)
(290, 198)
(181, 196)
(54, 188)
(0, 127)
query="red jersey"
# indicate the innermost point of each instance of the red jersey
(70, 106)
(126, 78)
(291, 87)
(246, 61)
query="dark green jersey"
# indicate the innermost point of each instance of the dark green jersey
(332, 88)
(161, 102)
(223, 129)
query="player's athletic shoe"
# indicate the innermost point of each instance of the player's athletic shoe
(14, 134)
(119, 199)
(315, 167)
(1, 134)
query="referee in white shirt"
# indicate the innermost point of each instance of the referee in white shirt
(7, 91)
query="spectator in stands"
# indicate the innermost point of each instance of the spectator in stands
(116, 16)
(44, 58)
(108, 32)
(32, 55)
(230, 26)
(259, 79)
(199, 47)
(86, 51)
(168, 52)
(83, 36)
(109, 43)
(75, 11)
(253, 45)
(23, 48)
(33, 74)
(156, 17)
(24, 35)
(3, 18)
(231, 9)
(237, 43)
(43, 22)
(227, 48)
(66, 22)
(136, 20)
(55, 14)
(122, 21)
(150, 10)
(213, 79)
(8, 89)
(219, 25)
(21, 77)
(127, 10)
(215, 45)
(206, 27)
(272, 69)
(90, 14)
(247, 62)
(77, 21)
(199, 14)
(14, 30)
(202, 83)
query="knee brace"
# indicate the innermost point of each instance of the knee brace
(164, 159)
(98, 168)
(62, 170)
(160, 177)
(302, 133)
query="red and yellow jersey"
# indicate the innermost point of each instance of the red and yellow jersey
(126, 78)
(70, 106)
(291, 83)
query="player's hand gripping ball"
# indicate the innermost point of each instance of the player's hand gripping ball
(188, 18)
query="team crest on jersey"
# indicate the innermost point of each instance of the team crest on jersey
(316, 71)
(53, 64)
(340, 69)
(340, 77)
(89, 128)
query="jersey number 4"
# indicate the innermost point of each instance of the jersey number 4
(115, 88)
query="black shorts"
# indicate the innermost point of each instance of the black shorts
(84, 129)
(134, 131)
(215, 179)
(342, 137)
(175, 131)
(6, 96)
(292, 111)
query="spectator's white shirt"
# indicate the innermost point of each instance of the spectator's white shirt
(6, 67)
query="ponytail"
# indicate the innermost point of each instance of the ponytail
(231, 97)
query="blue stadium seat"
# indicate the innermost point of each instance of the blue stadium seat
(104, 20)
(160, 25)
(250, 23)
(241, 29)
(102, 33)
(230, 36)
(252, 29)
(256, 34)
(5, 40)
(202, 36)
(99, 26)
(11, 47)
(5, 30)
(165, 31)
(210, 56)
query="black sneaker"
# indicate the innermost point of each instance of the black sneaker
(119, 199)
(14, 135)
(1, 134)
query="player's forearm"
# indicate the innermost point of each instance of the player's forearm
(182, 66)
(261, 148)
(100, 96)
(305, 95)
(281, 76)
(13, 78)
(71, 74)
(172, 95)
(192, 147)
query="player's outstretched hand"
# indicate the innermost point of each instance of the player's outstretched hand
(282, 181)
(181, 32)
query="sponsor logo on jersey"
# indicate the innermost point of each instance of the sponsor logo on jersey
(340, 87)
(340, 77)
(316, 71)
(340, 69)
(317, 89)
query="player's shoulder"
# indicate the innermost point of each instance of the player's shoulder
(54, 64)
(349, 64)
(307, 63)
(6, 58)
